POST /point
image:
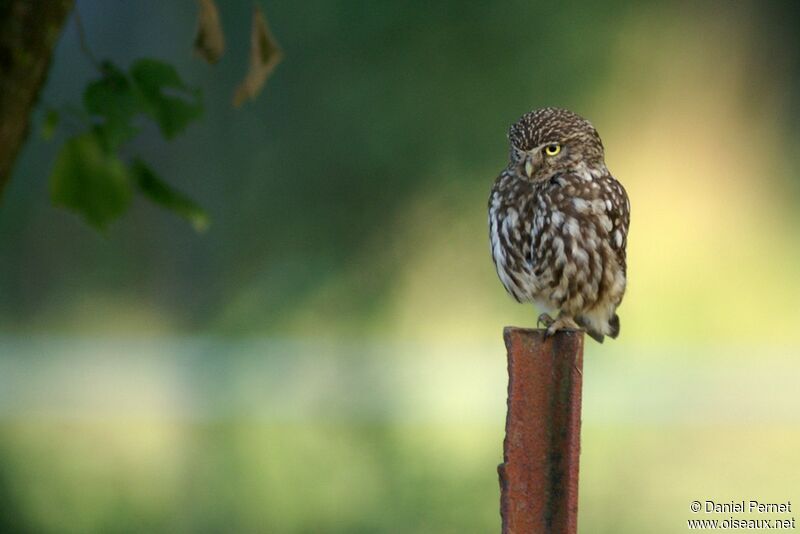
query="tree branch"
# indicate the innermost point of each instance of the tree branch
(29, 31)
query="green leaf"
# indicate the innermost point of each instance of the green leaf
(164, 195)
(90, 181)
(167, 99)
(50, 123)
(112, 98)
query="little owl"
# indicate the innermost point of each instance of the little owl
(558, 224)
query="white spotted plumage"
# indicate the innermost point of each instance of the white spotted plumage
(558, 225)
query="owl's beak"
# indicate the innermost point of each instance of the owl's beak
(529, 168)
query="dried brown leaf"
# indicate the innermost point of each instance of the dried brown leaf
(265, 54)
(209, 42)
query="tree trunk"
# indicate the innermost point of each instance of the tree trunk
(29, 31)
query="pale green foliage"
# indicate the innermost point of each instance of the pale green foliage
(90, 175)
(161, 193)
(89, 180)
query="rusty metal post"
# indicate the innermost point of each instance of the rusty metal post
(539, 473)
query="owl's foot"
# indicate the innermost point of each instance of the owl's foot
(562, 323)
(544, 320)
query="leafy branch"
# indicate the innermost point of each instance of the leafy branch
(90, 175)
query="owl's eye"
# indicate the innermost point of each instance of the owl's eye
(552, 150)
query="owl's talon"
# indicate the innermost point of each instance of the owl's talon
(562, 323)
(544, 320)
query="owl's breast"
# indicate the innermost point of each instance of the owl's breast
(578, 243)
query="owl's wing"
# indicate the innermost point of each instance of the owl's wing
(618, 208)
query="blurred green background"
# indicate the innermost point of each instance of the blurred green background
(327, 357)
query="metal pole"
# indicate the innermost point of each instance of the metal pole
(539, 473)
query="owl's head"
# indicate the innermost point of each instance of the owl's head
(549, 141)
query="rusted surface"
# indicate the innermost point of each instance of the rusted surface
(539, 473)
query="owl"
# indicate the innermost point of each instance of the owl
(558, 224)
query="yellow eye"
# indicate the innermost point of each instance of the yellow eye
(552, 150)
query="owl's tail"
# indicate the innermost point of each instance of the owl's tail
(612, 330)
(613, 324)
(594, 334)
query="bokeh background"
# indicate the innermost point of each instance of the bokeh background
(328, 357)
